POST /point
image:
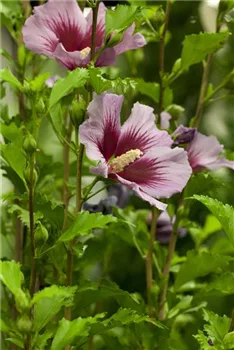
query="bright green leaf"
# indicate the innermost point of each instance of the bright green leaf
(84, 222)
(120, 18)
(38, 83)
(223, 212)
(15, 158)
(75, 79)
(149, 89)
(197, 46)
(39, 342)
(183, 304)
(218, 326)
(23, 214)
(199, 264)
(10, 275)
(203, 341)
(98, 82)
(7, 76)
(224, 283)
(229, 340)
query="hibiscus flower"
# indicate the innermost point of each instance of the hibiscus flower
(204, 152)
(59, 29)
(137, 155)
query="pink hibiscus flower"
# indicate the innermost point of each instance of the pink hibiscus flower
(58, 29)
(203, 151)
(137, 155)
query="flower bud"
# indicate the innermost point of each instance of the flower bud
(185, 137)
(40, 106)
(114, 39)
(27, 175)
(78, 110)
(159, 17)
(176, 66)
(41, 235)
(29, 144)
(21, 301)
(24, 324)
(175, 110)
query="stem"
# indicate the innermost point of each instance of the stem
(204, 84)
(31, 228)
(149, 259)
(18, 237)
(66, 160)
(94, 27)
(231, 329)
(161, 57)
(166, 270)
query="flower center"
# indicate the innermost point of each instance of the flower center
(85, 52)
(119, 163)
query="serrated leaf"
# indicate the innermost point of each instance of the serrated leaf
(39, 342)
(75, 79)
(15, 158)
(203, 341)
(223, 282)
(48, 302)
(199, 264)
(218, 326)
(120, 18)
(98, 82)
(197, 46)
(229, 340)
(223, 212)
(38, 83)
(84, 222)
(23, 214)
(10, 275)
(53, 213)
(68, 331)
(7, 76)
(12, 133)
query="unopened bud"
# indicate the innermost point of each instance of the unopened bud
(21, 301)
(175, 110)
(41, 235)
(27, 175)
(24, 324)
(29, 144)
(78, 110)
(177, 65)
(159, 18)
(114, 39)
(185, 137)
(40, 106)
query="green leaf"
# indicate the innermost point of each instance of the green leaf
(10, 275)
(6, 54)
(199, 264)
(91, 292)
(98, 82)
(183, 304)
(16, 341)
(23, 214)
(48, 302)
(224, 283)
(218, 326)
(3, 326)
(15, 158)
(120, 18)
(12, 133)
(197, 46)
(127, 316)
(68, 331)
(84, 222)
(203, 341)
(52, 212)
(39, 342)
(38, 83)
(7, 76)
(229, 340)
(149, 89)
(62, 87)
(223, 212)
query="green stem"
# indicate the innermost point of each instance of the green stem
(231, 329)
(149, 259)
(204, 85)
(94, 27)
(161, 57)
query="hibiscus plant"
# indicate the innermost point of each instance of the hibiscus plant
(118, 175)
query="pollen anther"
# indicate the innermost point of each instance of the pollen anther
(84, 53)
(119, 163)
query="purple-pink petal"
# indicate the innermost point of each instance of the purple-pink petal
(165, 120)
(100, 29)
(160, 172)
(101, 131)
(71, 60)
(140, 131)
(140, 193)
(130, 41)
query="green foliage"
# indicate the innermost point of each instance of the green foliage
(48, 302)
(23, 214)
(84, 223)
(120, 18)
(15, 158)
(197, 46)
(10, 275)
(62, 87)
(199, 264)
(223, 212)
(7, 76)
(215, 331)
